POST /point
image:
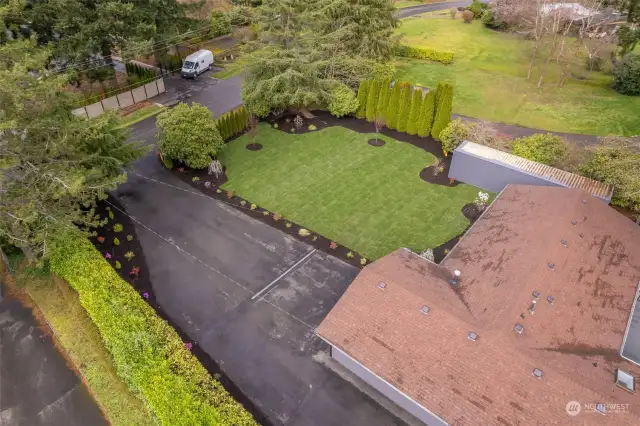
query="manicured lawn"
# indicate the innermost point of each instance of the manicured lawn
(141, 114)
(331, 181)
(489, 73)
(82, 343)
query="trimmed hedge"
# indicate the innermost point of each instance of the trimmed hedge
(444, 105)
(414, 114)
(363, 93)
(405, 107)
(393, 106)
(147, 353)
(372, 100)
(424, 53)
(426, 114)
(383, 98)
(232, 122)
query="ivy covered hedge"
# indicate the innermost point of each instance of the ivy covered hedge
(148, 354)
(424, 53)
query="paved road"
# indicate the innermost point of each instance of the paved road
(219, 96)
(423, 8)
(266, 346)
(36, 385)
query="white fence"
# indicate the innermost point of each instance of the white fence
(123, 100)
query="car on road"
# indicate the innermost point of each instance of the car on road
(197, 63)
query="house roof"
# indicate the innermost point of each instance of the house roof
(551, 174)
(504, 258)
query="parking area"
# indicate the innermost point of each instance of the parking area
(213, 270)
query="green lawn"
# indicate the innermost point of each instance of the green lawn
(141, 114)
(401, 4)
(369, 199)
(489, 73)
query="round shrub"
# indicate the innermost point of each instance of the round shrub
(343, 101)
(453, 135)
(490, 20)
(626, 75)
(467, 16)
(189, 134)
(544, 148)
(220, 23)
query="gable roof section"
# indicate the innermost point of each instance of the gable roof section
(504, 258)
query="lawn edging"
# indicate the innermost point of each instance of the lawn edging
(148, 354)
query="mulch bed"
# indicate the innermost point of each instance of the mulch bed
(254, 146)
(376, 142)
(142, 284)
(437, 175)
(209, 185)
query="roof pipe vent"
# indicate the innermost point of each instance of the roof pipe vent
(456, 277)
(473, 336)
(532, 307)
(537, 373)
(518, 328)
(563, 242)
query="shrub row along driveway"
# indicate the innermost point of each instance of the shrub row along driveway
(265, 346)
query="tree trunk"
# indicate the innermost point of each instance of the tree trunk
(533, 58)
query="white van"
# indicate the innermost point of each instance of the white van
(197, 63)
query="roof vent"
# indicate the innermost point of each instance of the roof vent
(584, 201)
(382, 284)
(626, 381)
(536, 294)
(456, 277)
(518, 328)
(574, 222)
(532, 307)
(551, 299)
(537, 373)
(563, 242)
(424, 309)
(551, 265)
(601, 408)
(473, 336)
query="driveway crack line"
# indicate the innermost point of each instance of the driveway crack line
(169, 241)
(269, 286)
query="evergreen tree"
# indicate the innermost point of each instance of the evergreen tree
(405, 108)
(372, 100)
(235, 119)
(363, 93)
(414, 114)
(394, 104)
(383, 98)
(443, 109)
(427, 112)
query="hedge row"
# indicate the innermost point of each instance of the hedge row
(424, 53)
(232, 122)
(147, 353)
(143, 73)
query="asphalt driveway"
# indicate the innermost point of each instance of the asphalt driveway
(432, 7)
(213, 270)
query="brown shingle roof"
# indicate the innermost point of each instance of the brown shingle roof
(504, 258)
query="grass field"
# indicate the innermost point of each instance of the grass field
(489, 73)
(82, 343)
(332, 182)
(141, 114)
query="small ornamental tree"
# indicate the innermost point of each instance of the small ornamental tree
(189, 134)
(363, 93)
(453, 135)
(394, 104)
(414, 114)
(544, 148)
(626, 75)
(427, 112)
(405, 108)
(444, 104)
(220, 23)
(372, 100)
(383, 98)
(343, 101)
(467, 16)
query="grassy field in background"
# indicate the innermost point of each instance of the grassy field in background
(489, 75)
(82, 343)
(333, 182)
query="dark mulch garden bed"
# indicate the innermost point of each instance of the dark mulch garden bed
(438, 174)
(209, 185)
(254, 147)
(376, 142)
(140, 281)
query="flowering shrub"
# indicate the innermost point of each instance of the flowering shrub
(145, 295)
(188, 346)
(276, 217)
(100, 240)
(107, 255)
(298, 122)
(253, 207)
(333, 245)
(134, 271)
(229, 194)
(428, 254)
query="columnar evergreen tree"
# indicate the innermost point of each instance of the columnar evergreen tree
(383, 98)
(444, 99)
(393, 106)
(427, 112)
(405, 108)
(372, 100)
(363, 94)
(414, 114)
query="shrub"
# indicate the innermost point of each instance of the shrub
(311, 128)
(490, 20)
(110, 214)
(220, 23)
(414, 114)
(147, 353)
(129, 255)
(427, 112)
(616, 162)
(117, 265)
(372, 100)
(477, 8)
(118, 227)
(405, 108)
(239, 16)
(544, 148)
(453, 135)
(444, 104)
(453, 12)
(166, 161)
(189, 134)
(394, 104)
(424, 53)
(626, 75)
(467, 16)
(116, 242)
(304, 232)
(343, 100)
(363, 92)
(383, 98)
(129, 237)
